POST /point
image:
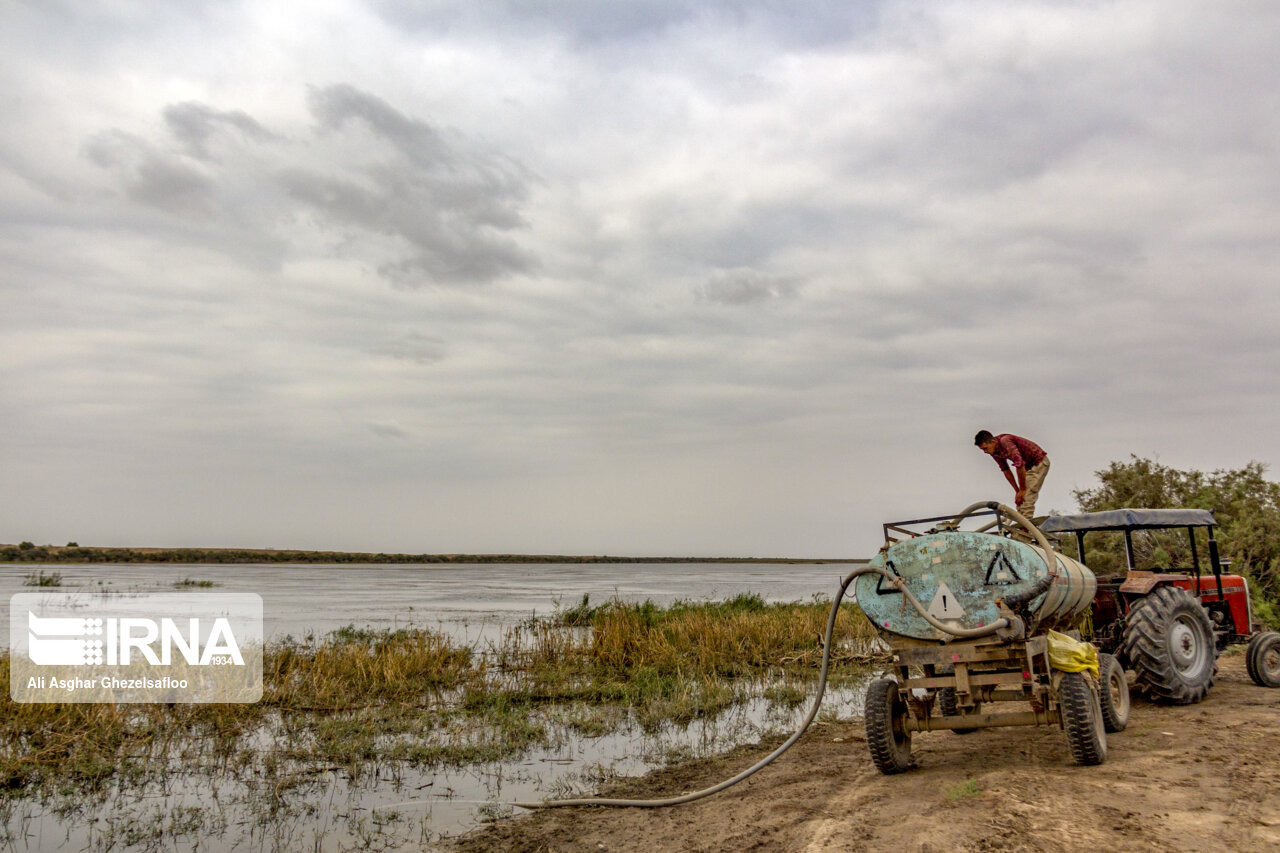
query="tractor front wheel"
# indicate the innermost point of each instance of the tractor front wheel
(1082, 719)
(887, 735)
(1168, 640)
(1263, 659)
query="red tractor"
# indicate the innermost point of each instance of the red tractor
(1168, 623)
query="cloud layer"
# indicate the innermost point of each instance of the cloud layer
(630, 278)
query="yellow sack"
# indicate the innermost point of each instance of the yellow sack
(1070, 655)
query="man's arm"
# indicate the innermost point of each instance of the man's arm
(1012, 458)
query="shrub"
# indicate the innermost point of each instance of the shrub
(1245, 504)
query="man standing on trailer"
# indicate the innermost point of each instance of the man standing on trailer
(1030, 465)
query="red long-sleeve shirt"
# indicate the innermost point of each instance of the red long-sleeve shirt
(1018, 451)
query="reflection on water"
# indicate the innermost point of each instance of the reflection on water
(225, 807)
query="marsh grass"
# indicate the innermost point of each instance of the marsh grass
(669, 664)
(362, 703)
(359, 668)
(194, 583)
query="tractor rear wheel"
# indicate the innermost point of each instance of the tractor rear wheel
(1114, 693)
(1263, 659)
(887, 736)
(1168, 640)
(1082, 719)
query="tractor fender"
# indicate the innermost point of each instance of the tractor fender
(1141, 583)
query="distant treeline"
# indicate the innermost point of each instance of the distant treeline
(28, 552)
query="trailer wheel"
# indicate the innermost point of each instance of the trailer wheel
(1082, 719)
(947, 703)
(1248, 654)
(887, 736)
(1263, 659)
(1168, 640)
(951, 708)
(1114, 693)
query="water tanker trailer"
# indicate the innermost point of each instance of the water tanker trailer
(970, 616)
(981, 624)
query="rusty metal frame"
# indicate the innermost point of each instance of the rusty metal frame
(904, 527)
(982, 672)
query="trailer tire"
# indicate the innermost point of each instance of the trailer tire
(1248, 654)
(887, 737)
(1263, 659)
(947, 703)
(1082, 720)
(1169, 642)
(1113, 693)
(950, 708)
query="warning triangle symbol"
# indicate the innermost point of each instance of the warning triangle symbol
(945, 605)
(1001, 571)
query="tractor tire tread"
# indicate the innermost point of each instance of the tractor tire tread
(1115, 717)
(1259, 646)
(1145, 645)
(1249, 663)
(1085, 737)
(889, 753)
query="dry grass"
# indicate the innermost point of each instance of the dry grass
(358, 668)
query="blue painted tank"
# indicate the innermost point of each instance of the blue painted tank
(959, 575)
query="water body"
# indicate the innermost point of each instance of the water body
(463, 600)
(411, 809)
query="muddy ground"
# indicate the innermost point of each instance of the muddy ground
(1198, 777)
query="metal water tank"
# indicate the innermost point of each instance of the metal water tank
(959, 575)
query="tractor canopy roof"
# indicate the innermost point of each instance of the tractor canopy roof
(1128, 519)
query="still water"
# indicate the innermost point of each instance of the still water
(409, 808)
(464, 601)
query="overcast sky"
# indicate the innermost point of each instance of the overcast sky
(641, 277)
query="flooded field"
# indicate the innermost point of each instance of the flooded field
(271, 793)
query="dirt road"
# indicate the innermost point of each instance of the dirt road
(1199, 777)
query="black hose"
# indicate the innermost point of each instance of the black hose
(1019, 600)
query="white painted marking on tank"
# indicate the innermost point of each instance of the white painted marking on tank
(944, 604)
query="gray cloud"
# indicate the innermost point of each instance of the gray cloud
(413, 347)
(423, 206)
(449, 200)
(387, 430)
(745, 286)
(152, 177)
(197, 125)
(595, 22)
